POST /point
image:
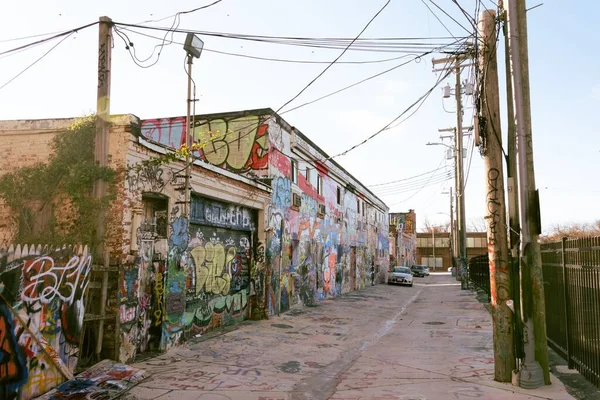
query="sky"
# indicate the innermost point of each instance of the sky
(565, 88)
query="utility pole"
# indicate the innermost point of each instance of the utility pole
(534, 370)
(513, 201)
(102, 124)
(452, 233)
(502, 318)
(460, 183)
(189, 132)
(433, 238)
(462, 225)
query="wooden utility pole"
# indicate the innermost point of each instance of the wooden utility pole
(460, 189)
(534, 370)
(504, 357)
(513, 201)
(102, 123)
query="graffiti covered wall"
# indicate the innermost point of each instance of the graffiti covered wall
(209, 270)
(42, 306)
(240, 144)
(184, 277)
(402, 230)
(324, 235)
(327, 234)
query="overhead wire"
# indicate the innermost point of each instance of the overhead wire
(279, 59)
(37, 42)
(449, 16)
(36, 61)
(405, 179)
(394, 45)
(436, 17)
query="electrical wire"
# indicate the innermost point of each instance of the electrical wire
(449, 16)
(436, 17)
(435, 179)
(417, 192)
(278, 59)
(37, 42)
(405, 179)
(336, 59)
(35, 62)
(182, 12)
(376, 44)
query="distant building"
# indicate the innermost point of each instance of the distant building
(403, 238)
(476, 245)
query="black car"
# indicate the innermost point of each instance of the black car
(418, 271)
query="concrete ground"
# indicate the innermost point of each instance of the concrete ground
(431, 341)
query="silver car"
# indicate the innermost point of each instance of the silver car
(401, 276)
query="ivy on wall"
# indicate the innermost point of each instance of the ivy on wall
(53, 202)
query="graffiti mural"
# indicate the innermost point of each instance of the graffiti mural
(238, 144)
(209, 269)
(41, 316)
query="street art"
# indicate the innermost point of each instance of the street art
(105, 380)
(239, 144)
(41, 316)
(208, 270)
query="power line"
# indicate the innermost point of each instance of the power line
(435, 179)
(380, 44)
(417, 192)
(436, 17)
(183, 12)
(37, 42)
(449, 16)
(406, 179)
(35, 62)
(277, 59)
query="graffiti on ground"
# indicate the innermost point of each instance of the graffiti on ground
(105, 380)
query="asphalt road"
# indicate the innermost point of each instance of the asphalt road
(431, 341)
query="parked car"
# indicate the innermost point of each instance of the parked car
(426, 270)
(401, 276)
(418, 271)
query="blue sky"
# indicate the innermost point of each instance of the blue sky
(563, 66)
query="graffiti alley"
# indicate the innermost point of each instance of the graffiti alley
(431, 341)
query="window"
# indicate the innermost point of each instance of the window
(357, 206)
(308, 175)
(363, 209)
(295, 172)
(319, 185)
(339, 195)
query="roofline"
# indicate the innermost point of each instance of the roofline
(269, 111)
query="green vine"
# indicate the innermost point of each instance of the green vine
(52, 203)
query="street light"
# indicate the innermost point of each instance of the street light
(193, 47)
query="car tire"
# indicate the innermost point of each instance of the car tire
(410, 285)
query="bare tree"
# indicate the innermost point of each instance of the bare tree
(478, 224)
(571, 231)
(428, 226)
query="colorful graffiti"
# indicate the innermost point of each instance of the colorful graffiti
(41, 316)
(209, 269)
(239, 144)
(312, 256)
(105, 380)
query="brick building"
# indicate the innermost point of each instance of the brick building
(476, 245)
(403, 238)
(274, 223)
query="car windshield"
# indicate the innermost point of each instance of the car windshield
(418, 267)
(404, 270)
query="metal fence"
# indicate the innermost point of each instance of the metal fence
(571, 270)
(479, 272)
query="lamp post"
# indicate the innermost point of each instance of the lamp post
(193, 46)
